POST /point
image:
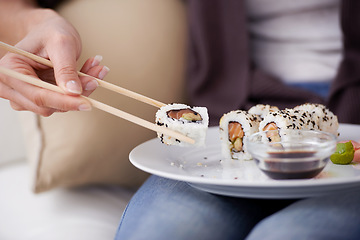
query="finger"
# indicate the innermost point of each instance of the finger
(91, 68)
(20, 103)
(89, 83)
(64, 62)
(45, 98)
(16, 106)
(45, 112)
(39, 100)
(91, 62)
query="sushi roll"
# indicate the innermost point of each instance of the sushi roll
(190, 121)
(322, 117)
(284, 120)
(235, 127)
(261, 110)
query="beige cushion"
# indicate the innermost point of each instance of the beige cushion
(143, 44)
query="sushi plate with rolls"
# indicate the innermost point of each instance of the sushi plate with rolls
(220, 163)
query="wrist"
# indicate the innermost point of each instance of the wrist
(33, 17)
(12, 19)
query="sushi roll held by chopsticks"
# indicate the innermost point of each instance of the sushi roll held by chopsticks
(190, 121)
(235, 127)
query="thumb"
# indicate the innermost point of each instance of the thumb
(64, 63)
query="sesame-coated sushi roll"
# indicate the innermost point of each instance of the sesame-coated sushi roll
(324, 119)
(235, 127)
(284, 120)
(261, 110)
(190, 121)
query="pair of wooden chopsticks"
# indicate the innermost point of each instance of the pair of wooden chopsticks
(95, 103)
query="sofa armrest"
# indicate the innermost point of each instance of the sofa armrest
(12, 147)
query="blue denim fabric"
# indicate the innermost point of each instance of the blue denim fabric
(168, 209)
(327, 217)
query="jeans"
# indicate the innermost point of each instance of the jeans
(169, 209)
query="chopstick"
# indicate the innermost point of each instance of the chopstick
(102, 83)
(131, 118)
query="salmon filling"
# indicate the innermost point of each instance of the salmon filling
(187, 114)
(273, 135)
(236, 135)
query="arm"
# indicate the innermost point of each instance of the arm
(8, 23)
(345, 98)
(44, 33)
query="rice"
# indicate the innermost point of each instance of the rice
(322, 117)
(265, 118)
(261, 110)
(284, 120)
(235, 127)
(190, 121)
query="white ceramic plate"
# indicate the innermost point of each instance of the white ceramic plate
(204, 169)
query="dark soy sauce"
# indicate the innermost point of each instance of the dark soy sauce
(291, 169)
(292, 175)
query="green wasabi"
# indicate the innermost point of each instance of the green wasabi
(344, 153)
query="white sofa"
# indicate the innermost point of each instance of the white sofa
(81, 213)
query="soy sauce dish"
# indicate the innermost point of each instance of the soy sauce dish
(291, 154)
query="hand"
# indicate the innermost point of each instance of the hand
(50, 36)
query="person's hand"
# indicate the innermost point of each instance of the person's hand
(50, 36)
